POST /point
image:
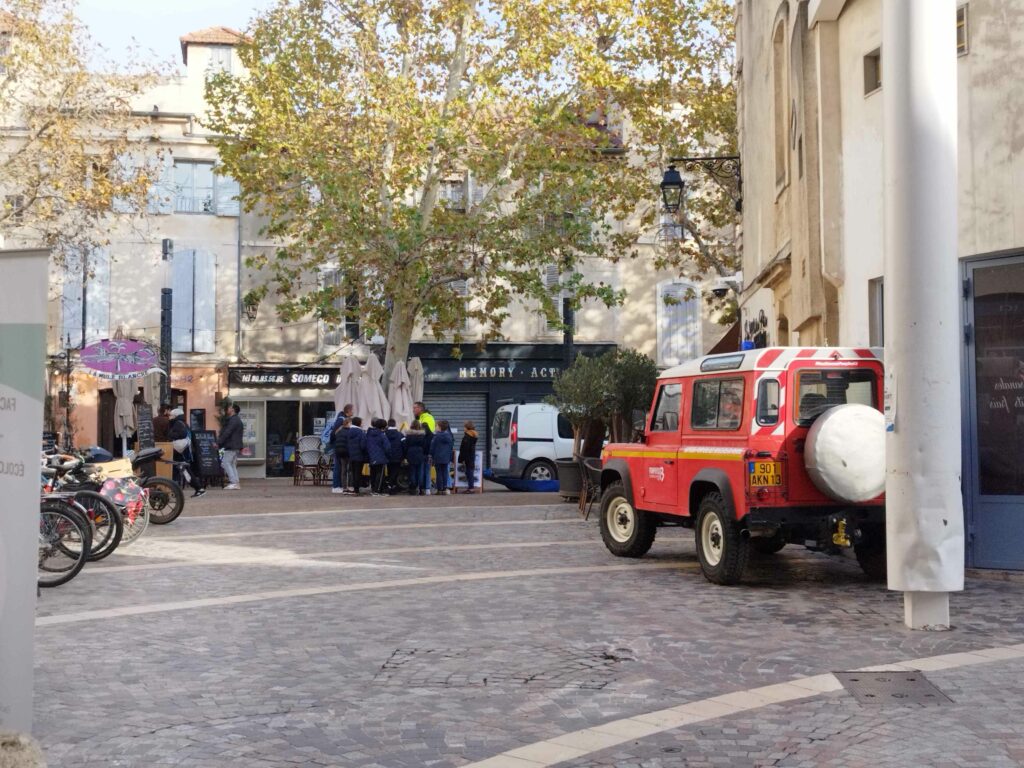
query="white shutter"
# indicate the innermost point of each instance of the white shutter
(679, 323)
(161, 193)
(71, 302)
(552, 281)
(181, 308)
(204, 309)
(331, 337)
(97, 296)
(227, 196)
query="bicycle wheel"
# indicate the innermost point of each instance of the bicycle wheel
(106, 518)
(166, 501)
(136, 520)
(63, 543)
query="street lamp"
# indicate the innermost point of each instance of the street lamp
(672, 190)
(166, 320)
(251, 307)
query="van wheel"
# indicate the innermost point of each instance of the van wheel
(721, 546)
(768, 545)
(541, 469)
(626, 531)
(871, 557)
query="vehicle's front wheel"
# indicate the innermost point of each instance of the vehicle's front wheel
(721, 546)
(626, 531)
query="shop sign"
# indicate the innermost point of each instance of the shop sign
(286, 378)
(489, 370)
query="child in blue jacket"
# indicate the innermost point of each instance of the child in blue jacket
(416, 454)
(442, 448)
(357, 452)
(377, 448)
(396, 452)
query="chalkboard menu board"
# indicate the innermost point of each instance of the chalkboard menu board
(207, 456)
(144, 417)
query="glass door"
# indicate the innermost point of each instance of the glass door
(994, 411)
(282, 435)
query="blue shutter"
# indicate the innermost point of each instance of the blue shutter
(97, 296)
(181, 308)
(204, 297)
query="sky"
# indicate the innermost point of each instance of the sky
(157, 24)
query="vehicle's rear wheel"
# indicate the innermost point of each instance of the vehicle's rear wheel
(721, 546)
(871, 556)
(541, 469)
(626, 531)
(768, 545)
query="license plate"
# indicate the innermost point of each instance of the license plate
(765, 473)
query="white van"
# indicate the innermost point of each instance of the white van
(527, 439)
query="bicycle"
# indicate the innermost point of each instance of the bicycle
(64, 541)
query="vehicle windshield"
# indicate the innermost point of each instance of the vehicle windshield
(821, 389)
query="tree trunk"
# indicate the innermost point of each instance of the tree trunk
(593, 440)
(400, 329)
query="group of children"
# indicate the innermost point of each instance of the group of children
(389, 452)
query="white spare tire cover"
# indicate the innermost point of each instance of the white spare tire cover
(845, 453)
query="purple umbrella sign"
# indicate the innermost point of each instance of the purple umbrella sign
(120, 358)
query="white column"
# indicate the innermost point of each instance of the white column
(22, 365)
(924, 510)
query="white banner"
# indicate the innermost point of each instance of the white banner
(22, 365)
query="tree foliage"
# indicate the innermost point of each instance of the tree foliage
(633, 378)
(68, 129)
(583, 394)
(355, 124)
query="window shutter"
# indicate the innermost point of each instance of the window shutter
(161, 194)
(182, 305)
(227, 196)
(204, 297)
(679, 324)
(97, 296)
(124, 171)
(552, 281)
(71, 302)
(331, 336)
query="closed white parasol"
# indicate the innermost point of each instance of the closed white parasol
(416, 379)
(347, 391)
(400, 395)
(371, 402)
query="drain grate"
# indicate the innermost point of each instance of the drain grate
(892, 689)
(536, 666)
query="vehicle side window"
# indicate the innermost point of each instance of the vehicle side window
(564, 427)
(768, 402)
(717, 404)
(666, 412)
(502, 424)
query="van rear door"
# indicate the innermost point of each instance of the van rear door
(501, 443)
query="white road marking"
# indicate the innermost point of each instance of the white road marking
(255, 597)
(587, 741)
(339, 510)
(369, 527)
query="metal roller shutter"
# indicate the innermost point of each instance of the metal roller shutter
(457, 409)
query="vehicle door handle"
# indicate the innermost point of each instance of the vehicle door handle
(670, 461)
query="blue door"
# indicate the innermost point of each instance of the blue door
(994, 412)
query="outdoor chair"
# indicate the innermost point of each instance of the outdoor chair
(308, 461)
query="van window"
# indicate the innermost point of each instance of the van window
(819, 390)
(502, 424)
(768, 402)
(666, 412)
(717, 404)
(564, 427)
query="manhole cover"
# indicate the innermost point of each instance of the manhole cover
(535, 666)
(893, 689)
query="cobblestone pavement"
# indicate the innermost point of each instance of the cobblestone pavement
(272, 628)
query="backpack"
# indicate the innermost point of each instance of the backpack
(328, 435)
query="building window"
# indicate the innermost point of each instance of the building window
(5, 51)
(194, 306)
(872, 71)
(781, 101)
(452, 192)
(334, 336)
(14, 208)
(876, 312)
(679, 323)
(220, 59)
(199, 189)
(962, 31)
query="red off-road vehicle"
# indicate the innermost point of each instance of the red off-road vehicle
(756, 450)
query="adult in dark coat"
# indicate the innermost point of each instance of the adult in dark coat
(467, 452)
(161, 424)
(442, 449)
(230, 441)
(357, 452)
(377, 448)
(396, 452)
(181, 438)
(341, 476)
(416, 455)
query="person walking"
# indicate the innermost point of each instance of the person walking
(356, 453)
(416, 456)
(340, 472)
(395, 454)
(441, 449)
(467, 453)
(377, 448)
(161, 423)
(427, 423)
(181, 441)
(230, 441)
